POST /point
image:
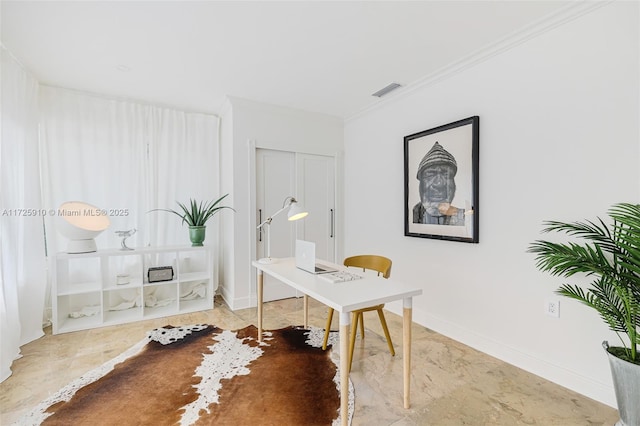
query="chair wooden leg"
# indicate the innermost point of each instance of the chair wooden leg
(361, 315)
(327, 329)
(352, 340)
(383, 321)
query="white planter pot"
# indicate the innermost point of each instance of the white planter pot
(626, 382)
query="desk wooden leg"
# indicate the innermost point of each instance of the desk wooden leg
(260, 297)
(345, 320)
(306, 311)
(406, 349)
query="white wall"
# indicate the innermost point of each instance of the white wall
(559, 139)
(255, 125)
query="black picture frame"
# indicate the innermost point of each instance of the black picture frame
(441, 182)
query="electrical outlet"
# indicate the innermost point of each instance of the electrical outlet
(552, 308)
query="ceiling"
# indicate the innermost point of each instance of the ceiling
(320, 56)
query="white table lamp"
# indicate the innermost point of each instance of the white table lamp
(295, 212)
(81, 223)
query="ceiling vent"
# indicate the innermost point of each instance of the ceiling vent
(380, 93)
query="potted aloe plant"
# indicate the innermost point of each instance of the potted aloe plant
(610, 256)
(196, 214)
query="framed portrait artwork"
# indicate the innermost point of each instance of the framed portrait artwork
(441, 182)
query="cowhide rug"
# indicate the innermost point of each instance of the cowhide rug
(203, 375)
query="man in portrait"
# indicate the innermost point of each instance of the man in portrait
(436, 174)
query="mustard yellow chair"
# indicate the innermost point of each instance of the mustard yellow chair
(382, 265)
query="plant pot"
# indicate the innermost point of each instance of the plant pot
(196, 235)
(626, 383)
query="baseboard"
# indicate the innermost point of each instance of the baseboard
(235, 303)
(540, 367)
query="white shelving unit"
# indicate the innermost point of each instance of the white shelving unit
(86, 293)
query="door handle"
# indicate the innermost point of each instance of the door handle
(260, 221)
(332, 224)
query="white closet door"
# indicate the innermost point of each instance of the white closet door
(311, 180)
(276, 180)
(316, 191)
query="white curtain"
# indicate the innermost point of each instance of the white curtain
(22, 254)
(126, 158)
(94, 151)
(184, 166)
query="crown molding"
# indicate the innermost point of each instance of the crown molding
(558, 18)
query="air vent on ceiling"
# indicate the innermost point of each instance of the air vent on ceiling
(380, 93)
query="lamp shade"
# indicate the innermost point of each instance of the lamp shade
(81, 223)
(296, 212)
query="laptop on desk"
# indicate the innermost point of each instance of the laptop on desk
(306, 258)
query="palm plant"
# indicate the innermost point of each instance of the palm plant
(612, 257)
(197, 214)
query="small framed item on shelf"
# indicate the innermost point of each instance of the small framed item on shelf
(160, 273)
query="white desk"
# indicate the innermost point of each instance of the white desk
(344, 298)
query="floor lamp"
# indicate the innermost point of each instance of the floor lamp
(295, 212)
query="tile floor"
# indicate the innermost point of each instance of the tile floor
(452, 384)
